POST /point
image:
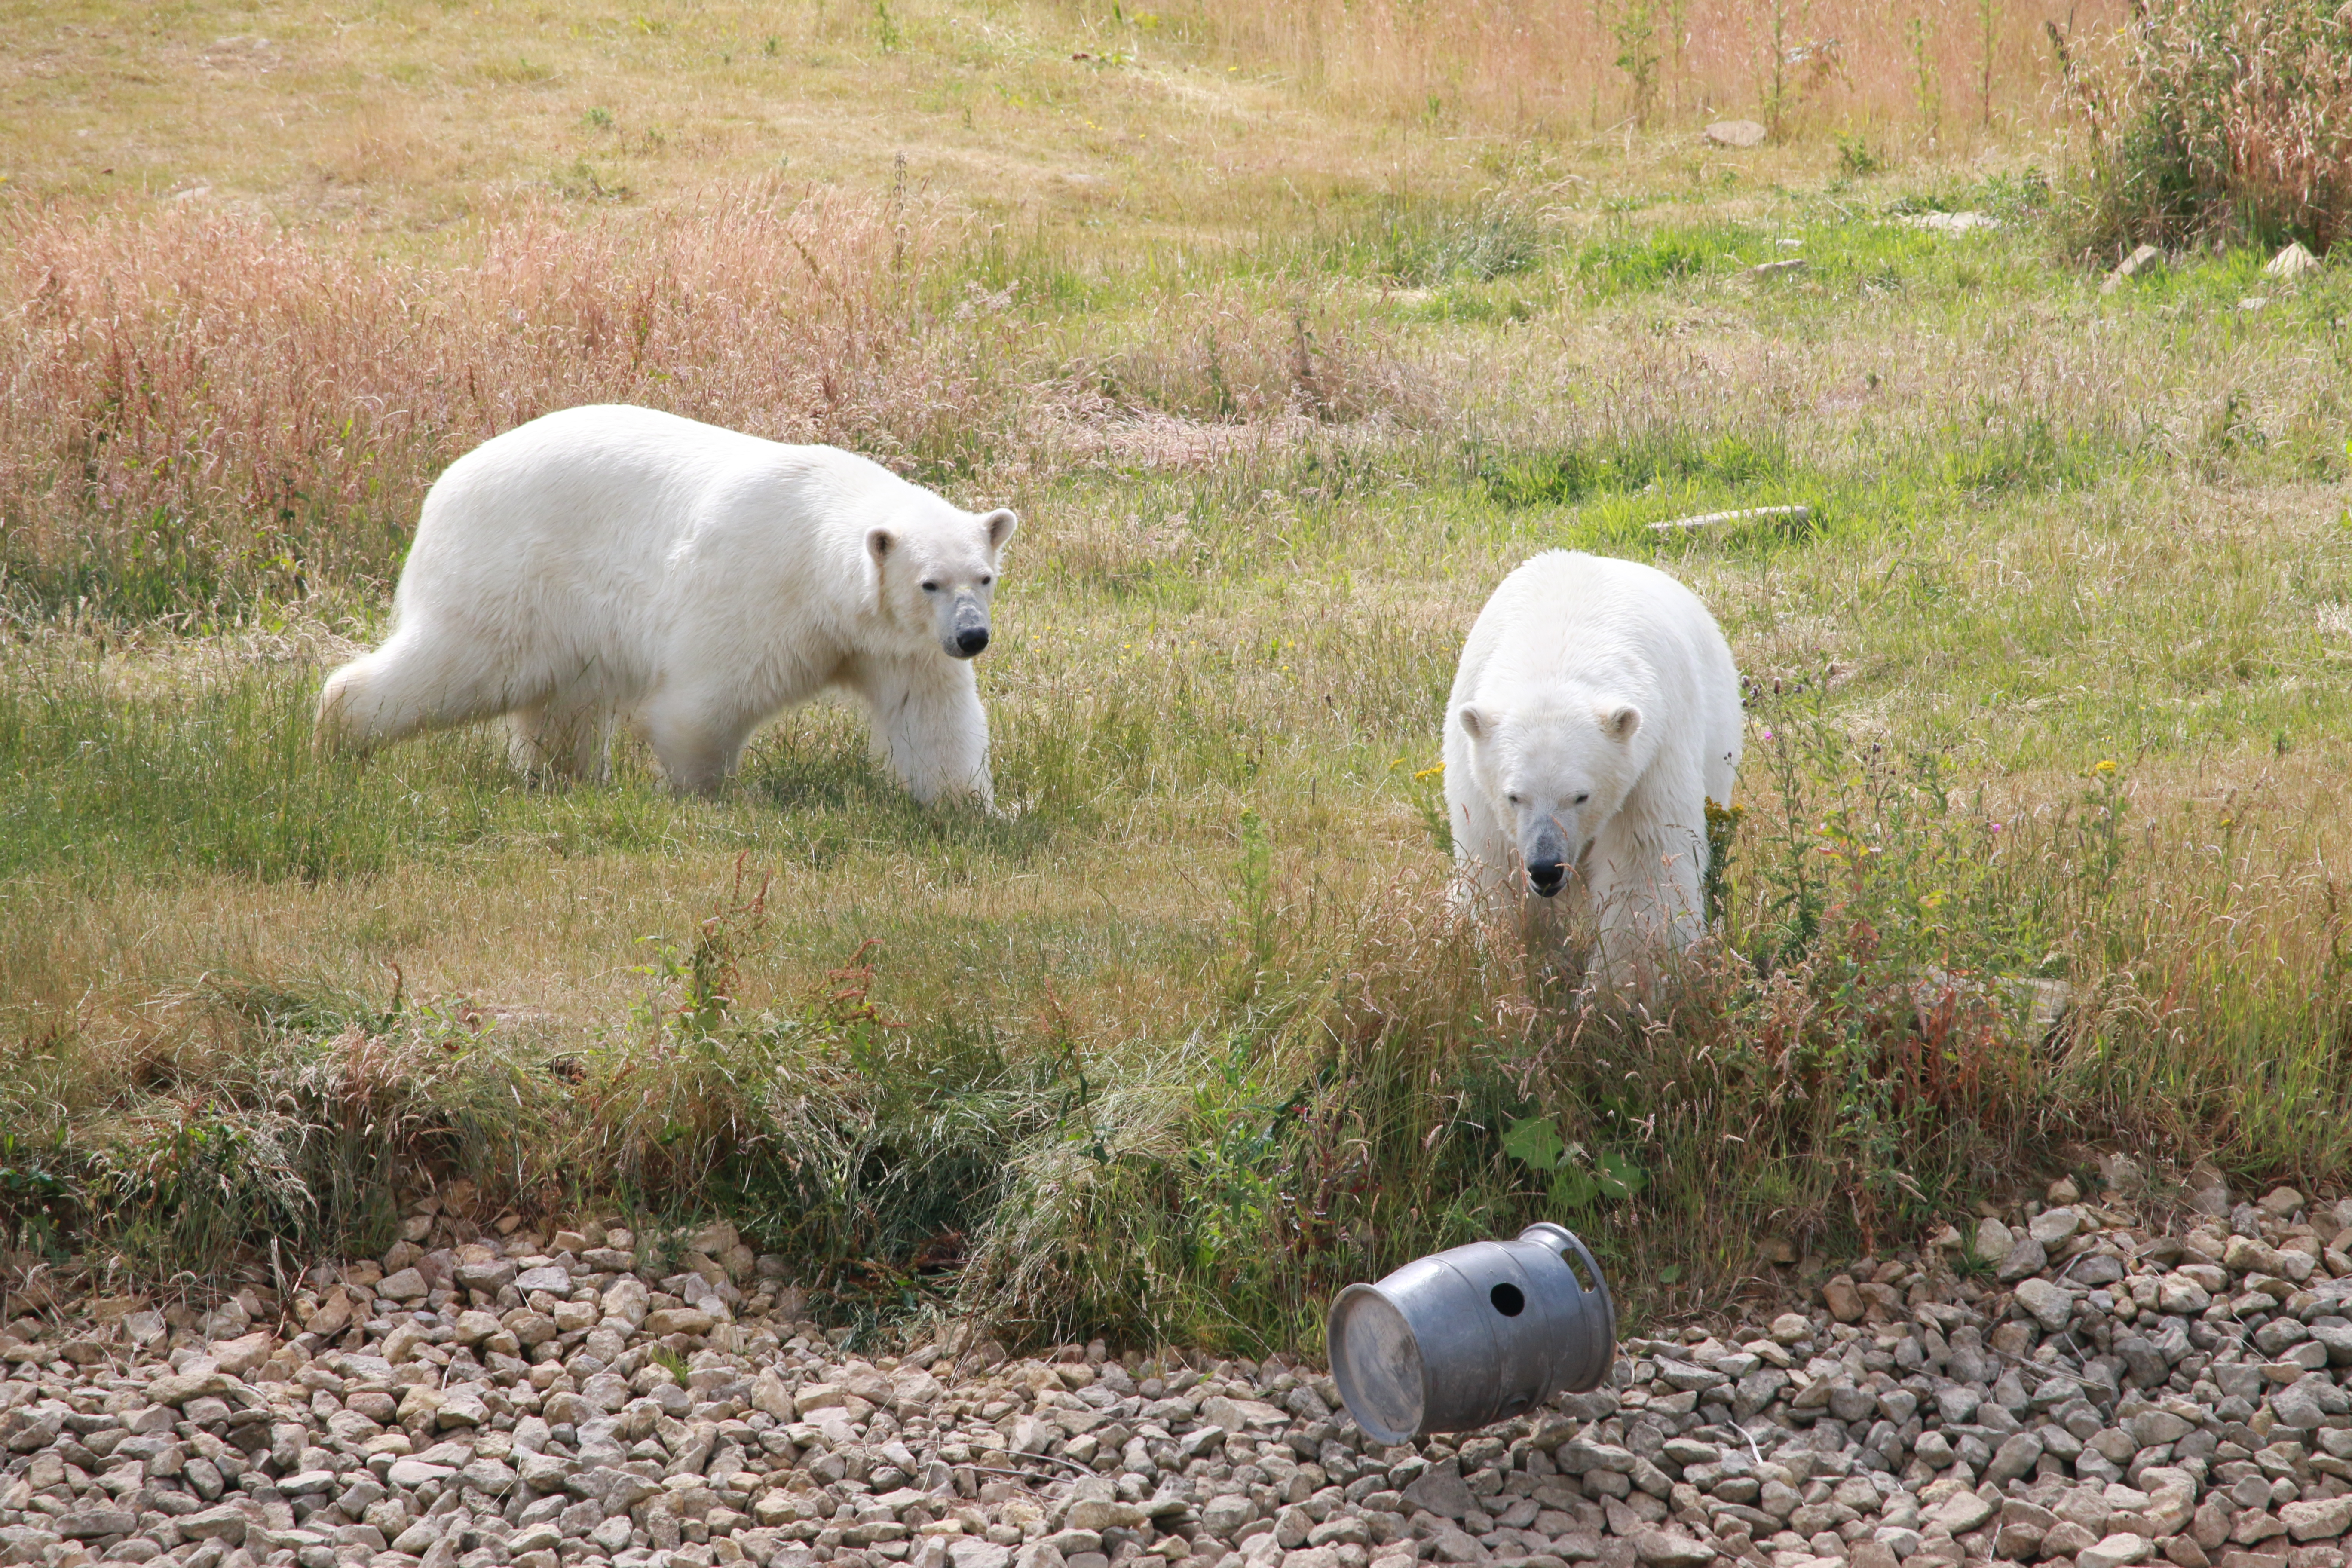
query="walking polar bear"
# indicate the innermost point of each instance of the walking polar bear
(1594, 714)
(614, 563)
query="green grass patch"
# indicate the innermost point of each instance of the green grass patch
(1685, 459)
(1670, 254)
(218, 777)
(1866, 1040)
(1425, 242)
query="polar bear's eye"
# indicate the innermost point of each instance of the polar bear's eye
(1580, 800)
(1513, 799)
(985, 580)
(930, 587)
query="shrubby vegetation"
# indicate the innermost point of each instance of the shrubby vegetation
(1908, 991)
(2217, 120)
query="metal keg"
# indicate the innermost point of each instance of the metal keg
(1473, 1335)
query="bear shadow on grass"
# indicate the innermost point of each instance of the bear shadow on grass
(834, 789)
(813, 788)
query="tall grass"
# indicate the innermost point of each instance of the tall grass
(2215, 120)
(1570, 70)
(208, 409)
(312, 1108)
(206, 412)
(1352, 1082)
(1865, 1042)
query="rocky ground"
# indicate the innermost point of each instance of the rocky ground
(2073, 1389)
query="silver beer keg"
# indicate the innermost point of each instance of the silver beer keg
(1474, 1335)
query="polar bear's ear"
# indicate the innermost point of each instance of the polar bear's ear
(879, 542)
(1473, 723)
(1000, 524)
(1621, 722)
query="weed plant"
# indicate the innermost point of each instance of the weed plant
(2215, 121)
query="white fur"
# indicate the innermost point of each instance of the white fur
(1602, 695)
(612, 563)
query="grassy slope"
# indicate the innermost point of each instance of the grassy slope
(410, 115)
(2053, 529)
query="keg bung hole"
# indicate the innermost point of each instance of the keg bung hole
(1508, 1300)
(1578, 1266)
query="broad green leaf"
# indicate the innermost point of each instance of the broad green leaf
(1620, 1177)
(1573, 1189)
(1534, 1141)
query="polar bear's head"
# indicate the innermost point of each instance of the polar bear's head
(940, 574)
(1557, 770)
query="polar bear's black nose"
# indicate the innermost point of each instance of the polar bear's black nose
(1546, 875)
(971, 640)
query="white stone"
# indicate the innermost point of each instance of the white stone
(1952, 223)
(410, 1474)
(1095, 1513)
(2293, 261)
(2116, 1551)
(2317, 1519)
(2050, 1305)
(407, 1285)
(2178, 1293)
(1960, 1513)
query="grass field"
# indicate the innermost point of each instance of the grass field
(1283, 374)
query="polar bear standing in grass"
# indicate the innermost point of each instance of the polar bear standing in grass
(611, 562)
(1594, 714)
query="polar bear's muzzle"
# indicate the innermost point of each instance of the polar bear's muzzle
(1551, 855)
(970, 634)
(1547, 861)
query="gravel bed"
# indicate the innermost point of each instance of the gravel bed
(2085, 1393)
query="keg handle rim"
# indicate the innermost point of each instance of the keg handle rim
(1559, 1238)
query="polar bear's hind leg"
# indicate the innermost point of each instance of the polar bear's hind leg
(413, 683)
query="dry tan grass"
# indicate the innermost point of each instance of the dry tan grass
(2208, 122)
(248, 382)
(1578, 69)
(1183, 123)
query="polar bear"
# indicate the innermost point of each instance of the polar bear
(615, 563)
(1594, 714)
